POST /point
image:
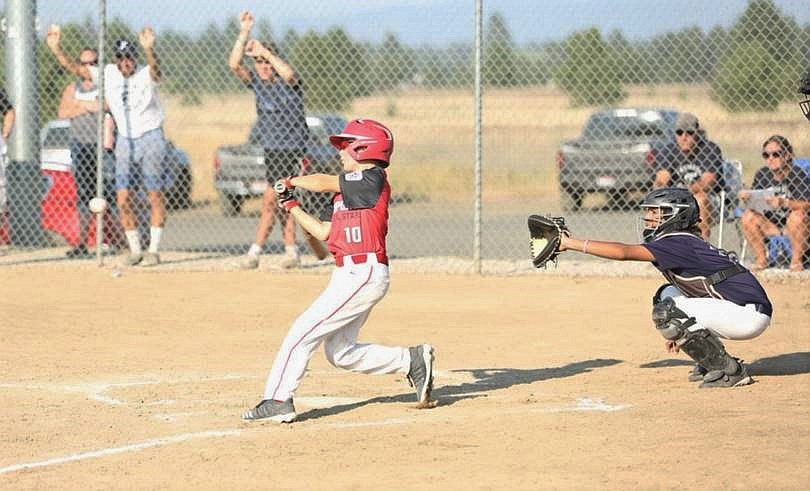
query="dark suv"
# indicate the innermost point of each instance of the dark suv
(614, 155)
(239, 169)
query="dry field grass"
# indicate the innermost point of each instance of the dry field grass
(522, 130)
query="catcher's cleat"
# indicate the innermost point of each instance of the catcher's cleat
(719, 378)
(697, 373)
(268, 409)
(420, 376)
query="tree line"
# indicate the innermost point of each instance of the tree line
(751, 66)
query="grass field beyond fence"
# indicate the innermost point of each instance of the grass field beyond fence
(523, 128)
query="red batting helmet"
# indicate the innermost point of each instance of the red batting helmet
(365, 139)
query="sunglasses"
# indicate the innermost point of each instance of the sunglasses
(688, 132)
(775, 155)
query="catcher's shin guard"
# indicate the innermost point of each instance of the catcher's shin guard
(671, 321)
(701, 345)
(707, 350)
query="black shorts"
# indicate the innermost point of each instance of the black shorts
(279, 164)
(83, 156)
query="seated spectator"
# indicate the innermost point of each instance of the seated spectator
(804, 89)
(694, 162)
(787, 204)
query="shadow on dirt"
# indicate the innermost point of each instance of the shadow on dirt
(485, 380)
(785, 364)
(670, 362)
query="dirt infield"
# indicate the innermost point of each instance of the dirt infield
(137, 381)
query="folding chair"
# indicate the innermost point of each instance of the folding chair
(728, 211)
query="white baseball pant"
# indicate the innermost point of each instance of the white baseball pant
(725, 319)
(335, 318)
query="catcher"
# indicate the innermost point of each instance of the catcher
(708, 294)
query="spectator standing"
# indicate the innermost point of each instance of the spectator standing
(282, 129)
(79, 104)
(694, 162)
(789, 205)
(7, 110)
(131, 93)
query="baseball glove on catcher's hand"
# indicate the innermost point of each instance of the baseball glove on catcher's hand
(544, 238)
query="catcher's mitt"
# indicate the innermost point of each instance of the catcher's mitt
(544, 238)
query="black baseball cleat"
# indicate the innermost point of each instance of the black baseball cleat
(268, 409)
(420, 376)
(697, 373)
(720, 378)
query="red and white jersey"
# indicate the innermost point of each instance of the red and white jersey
(360, 214)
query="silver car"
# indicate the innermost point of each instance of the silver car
(55, 155)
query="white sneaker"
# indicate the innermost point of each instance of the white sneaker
(291, 261)
(150, 259)
(249, 262)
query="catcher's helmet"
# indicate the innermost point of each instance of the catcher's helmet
(365, 139)
(679, 211)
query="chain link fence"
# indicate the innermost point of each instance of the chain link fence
(578, 125)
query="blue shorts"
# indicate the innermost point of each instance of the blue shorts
(140, 160)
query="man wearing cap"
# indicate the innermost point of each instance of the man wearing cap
(691, 161)
(131, 93)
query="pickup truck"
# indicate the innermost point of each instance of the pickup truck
(615, 154)
(239, 171)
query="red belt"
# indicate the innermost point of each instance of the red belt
(361, 258)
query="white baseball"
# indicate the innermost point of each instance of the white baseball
(97, 205)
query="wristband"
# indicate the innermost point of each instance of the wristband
(290, 204)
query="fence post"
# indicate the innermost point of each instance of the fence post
(102, 28)
(25, 181)
(478, 109)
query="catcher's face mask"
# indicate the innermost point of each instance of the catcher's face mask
(653, 219)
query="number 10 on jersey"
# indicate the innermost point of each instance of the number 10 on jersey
(353, 235)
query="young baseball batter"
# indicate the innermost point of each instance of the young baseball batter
(356, 233)
(709, 295)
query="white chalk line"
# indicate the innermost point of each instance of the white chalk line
(585, 404)
(95, 391)
(157, 442)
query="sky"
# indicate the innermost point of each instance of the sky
(423, 21)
